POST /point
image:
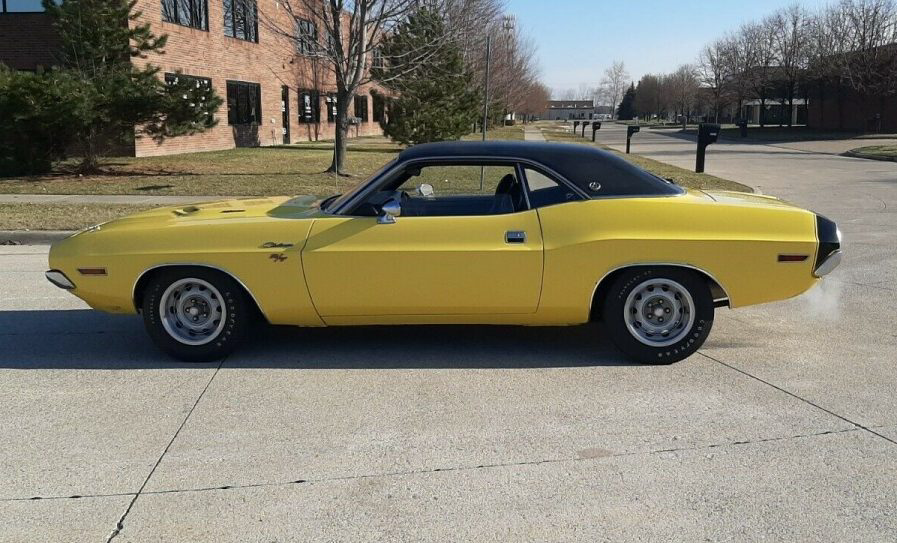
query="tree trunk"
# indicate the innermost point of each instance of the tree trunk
(840, 100)
(341, 136)
(762, 117)
(90, 162)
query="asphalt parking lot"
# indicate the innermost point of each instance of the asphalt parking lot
(783, 427)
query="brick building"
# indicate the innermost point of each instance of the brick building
(563, 110)
(274, 90)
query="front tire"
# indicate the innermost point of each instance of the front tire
(658, 315)
(195, 314)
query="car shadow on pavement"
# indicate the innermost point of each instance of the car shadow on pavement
(86, 339)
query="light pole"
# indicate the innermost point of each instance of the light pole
(508, 24)
(486, 102)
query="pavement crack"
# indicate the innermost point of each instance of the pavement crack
(797, 397)
(496, 465)
(121, 521)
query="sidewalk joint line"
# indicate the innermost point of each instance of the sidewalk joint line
(121, 521)
(793, 395)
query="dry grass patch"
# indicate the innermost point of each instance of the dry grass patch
(61, 216)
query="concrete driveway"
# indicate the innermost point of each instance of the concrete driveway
(783, 427)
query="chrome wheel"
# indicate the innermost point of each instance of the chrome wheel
(192, 311)
(659, 312)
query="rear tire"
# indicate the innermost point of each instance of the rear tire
(196, 314)
(658, 315)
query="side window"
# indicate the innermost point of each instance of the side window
(452, 190)
(545, 191)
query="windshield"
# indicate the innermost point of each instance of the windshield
(344, 197)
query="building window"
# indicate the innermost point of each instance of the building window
(331, 107)
(192, 13)
(306, 37)
(244, 103)
(198, 82)
(377, 61)
(309, 106)
(378, 103)
(241, 20)
(361, 108)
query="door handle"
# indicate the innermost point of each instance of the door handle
(515, 236)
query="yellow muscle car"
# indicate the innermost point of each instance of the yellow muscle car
(461, 233)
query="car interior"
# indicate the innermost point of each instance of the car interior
(457, 192)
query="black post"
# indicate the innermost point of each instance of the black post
(742, 124)
(584, 128)
(707, 134)
(575, 126)
(630, 130)
(595, 127)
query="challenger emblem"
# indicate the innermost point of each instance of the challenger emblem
(276, 245)
(277, 257)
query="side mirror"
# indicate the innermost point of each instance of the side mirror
(426, 190)
(390, 210)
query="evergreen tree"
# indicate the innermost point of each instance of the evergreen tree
(98, 40)
(434, 100)
(627, 105)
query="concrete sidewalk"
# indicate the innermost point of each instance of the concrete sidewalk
(531, 133)
(135, 199)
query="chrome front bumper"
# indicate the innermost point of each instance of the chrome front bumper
(59, 279)
(828, 264)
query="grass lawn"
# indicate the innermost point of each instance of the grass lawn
(260, 171)
(875, 152)
(60, 216)
(681, 176)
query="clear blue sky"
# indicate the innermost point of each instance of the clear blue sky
(578, 39)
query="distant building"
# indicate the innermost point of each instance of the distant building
(564, 110)
(275, 90)
(774, 112)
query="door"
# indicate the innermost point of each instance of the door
(285, 111)
(460, 251)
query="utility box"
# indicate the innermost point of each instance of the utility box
(630, 130)
(707, 133)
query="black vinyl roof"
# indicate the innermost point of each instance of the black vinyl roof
(580, 164)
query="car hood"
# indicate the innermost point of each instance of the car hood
(241, 209)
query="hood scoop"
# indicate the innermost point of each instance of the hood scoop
(184, 211)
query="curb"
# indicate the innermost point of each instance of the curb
(880, 158)
(33, 237)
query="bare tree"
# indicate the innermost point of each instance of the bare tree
(684, 87)
(614, 84)
(565, 94)
(825, 43)
(757, 42)
(714, 71)
(350, 31)
(534, 100)
(790, 44)
(868, 63)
